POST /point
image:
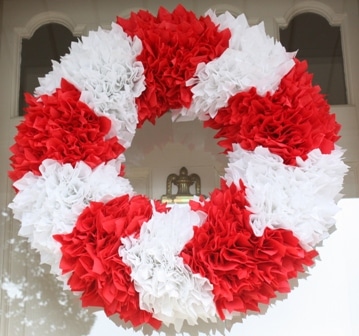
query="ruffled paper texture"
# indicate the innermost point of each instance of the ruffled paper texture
(253, 59)
(62, 128)
(90, 256)
(50, 204)
(174, 43)
(218, 256)
(245, 270)
(166, 286)
(291, 122)
(299, 198)
(104, 68)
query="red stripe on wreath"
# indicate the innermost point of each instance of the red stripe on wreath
(244, 269)
(290, 123)
(62, 128)
(173, 45)
(90, 254)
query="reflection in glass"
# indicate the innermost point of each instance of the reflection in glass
(320, 44)
(49, 42)
(37, 302)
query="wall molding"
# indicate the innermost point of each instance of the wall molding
(141, 179)
(27, 32)
(316, 7)
(49, 17)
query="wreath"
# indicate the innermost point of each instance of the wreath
(140, 259)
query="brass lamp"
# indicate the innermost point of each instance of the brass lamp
(183, 182)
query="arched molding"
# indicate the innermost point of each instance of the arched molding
(334, 19)
(27, 32)
(315, 7)
(49, 17)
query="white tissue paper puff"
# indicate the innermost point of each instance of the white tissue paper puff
(166, 286)
(109, 77)
(50, 204)
(301, 199)
(253, 59)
